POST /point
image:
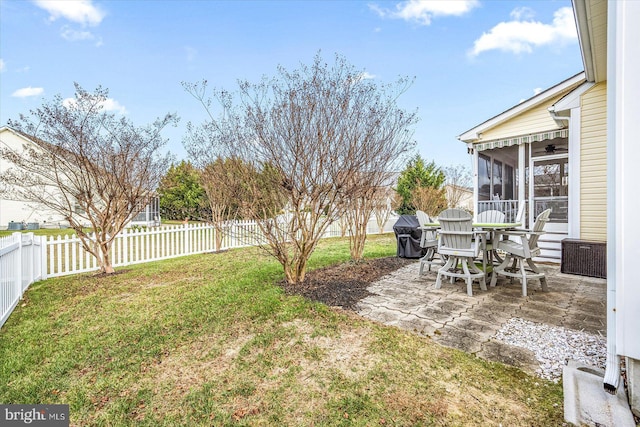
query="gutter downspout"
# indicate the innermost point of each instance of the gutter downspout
(612, 367)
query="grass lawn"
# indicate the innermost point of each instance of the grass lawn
(212, 340)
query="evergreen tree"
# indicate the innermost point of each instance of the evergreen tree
(413, 180)
(181, 194)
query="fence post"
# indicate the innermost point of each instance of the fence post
(18, 282)
(185, 236)
(43, 256)
(31, 254)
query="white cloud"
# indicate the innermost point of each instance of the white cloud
(367, 76)
(72, 35)
(26, 92)
(79, 11)
(2, 67)
(522, 36)
(536, 91)
(521, 13)
(108, 104)
(423, 11)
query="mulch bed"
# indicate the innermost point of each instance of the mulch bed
(343, 285)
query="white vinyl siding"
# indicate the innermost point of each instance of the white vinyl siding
(593, 164)
(14, 210)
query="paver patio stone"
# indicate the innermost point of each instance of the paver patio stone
(507, 300)
(450, 306)
(543, 307)
(373, 300)
(399, 305)
(436, 314)
(594, 326)
(476, 325)
(467, 341)
(418, 325)
(562, 300)
(538, 316)
(589, 306)
(488, 313)
(577, 311)
(382, 314)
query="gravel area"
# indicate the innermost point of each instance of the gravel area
(554, 345)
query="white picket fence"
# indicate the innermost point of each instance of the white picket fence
(21, 264)
(25, 258)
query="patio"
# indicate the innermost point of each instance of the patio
(545, 328)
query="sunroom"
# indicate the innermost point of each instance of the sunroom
(523, 156)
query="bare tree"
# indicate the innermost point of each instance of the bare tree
(222, 186)
(430, 200)
(458, 181)
(87, 165)
(383, 202)
(310, 133)
(371, 197)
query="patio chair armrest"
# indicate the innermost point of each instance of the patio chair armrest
(518, 232)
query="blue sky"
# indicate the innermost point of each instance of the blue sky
(471, 59)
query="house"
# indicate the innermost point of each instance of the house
(18, 213)
(573, 148)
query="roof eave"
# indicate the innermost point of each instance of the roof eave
(582, 24)
(473, 134)
(16, 133)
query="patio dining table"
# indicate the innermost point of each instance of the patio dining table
(489, 253)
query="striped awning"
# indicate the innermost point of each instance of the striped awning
(519, 140)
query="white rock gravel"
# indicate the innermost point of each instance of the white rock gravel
(553, 346)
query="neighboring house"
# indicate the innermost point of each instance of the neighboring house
(19, 211)
(459, 197)
(574, 148)
(15, 210)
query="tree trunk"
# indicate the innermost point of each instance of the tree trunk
(218, 236)
(357, 241)
(105, 259)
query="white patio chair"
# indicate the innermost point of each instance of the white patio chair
(520, 215)
(423, 218)
(519, 253)
(488, 249)
(456, 242)
(490, 216)
(428, 240)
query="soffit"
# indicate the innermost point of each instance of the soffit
(591, 20)
(472, 135)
